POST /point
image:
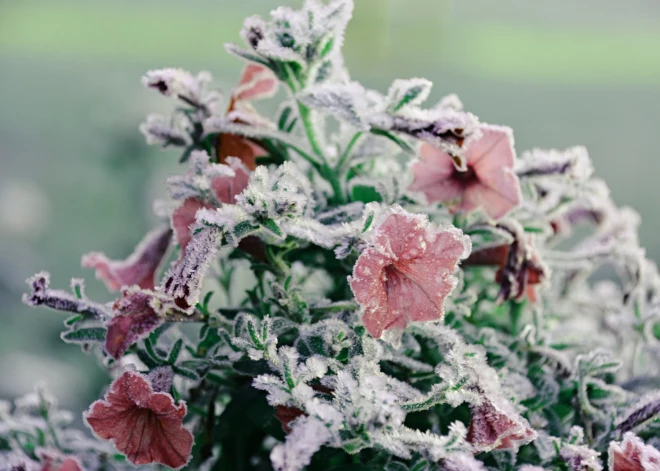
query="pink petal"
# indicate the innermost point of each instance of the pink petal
(407, 272)
(433, 175)
(632, 454)
(495, 202)
(496, 143)
(138, 269)
(256, 82)
(183, 217)
(144, 425)
(134, 320)
(498, 426)
(227, 188)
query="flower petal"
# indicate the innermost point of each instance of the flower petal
(498, 426)
(227, 187)
(256, 82)
(144, 425)
(138, 269)
(632, 454)
(182, 218)
(134, 319)
(433, 175)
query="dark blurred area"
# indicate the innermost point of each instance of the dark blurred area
(76, 175)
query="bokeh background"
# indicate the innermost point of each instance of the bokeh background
(76, 175)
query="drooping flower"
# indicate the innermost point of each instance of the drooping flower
(407, 271)
(139, 268)
(632, 454)
(495, 425)
(520, 267)
(144, 424)
(489, 181)
(134, 319)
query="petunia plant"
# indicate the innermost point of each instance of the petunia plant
(361, 282)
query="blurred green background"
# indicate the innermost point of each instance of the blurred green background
(76, 175)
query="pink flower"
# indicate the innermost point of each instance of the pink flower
(488, 183)
(138, 269)
(407, 271)
(144, 424)
(498, 426)
(633, 455)
(134, 319)
(256, 82)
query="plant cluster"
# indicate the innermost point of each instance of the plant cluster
(363, 282)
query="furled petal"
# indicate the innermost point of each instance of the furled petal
(144, 425)
(182, 218)
(498, 426)
(407, 272)
(138, 269)
(134, 319)
(632, 454)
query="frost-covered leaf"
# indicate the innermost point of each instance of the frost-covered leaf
(410, 92)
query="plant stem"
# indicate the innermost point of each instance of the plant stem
(347, 152)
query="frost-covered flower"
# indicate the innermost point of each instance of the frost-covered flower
(134, 319)
(488, 182)
(55, 461)
(139, 268)
(496, 425)
(461, 462)
(407, 271)
(144, 424)
(632, 454)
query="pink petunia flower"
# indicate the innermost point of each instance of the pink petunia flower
(496, 425)
(632, 454)
(407, 271)
(134, 319)
(488, 183)
(144, 424)
(138, 269)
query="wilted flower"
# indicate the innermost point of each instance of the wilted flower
(139, 268)
(496, 425)
(632, 454)
(488, 182)
(407, 271)
(134, 319)
(144, 424)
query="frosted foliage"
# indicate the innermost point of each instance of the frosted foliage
(281, 193)
(383, 277)
(181, 84)
(306, 437)
(344, 102)
(164, 132)
(198, 181)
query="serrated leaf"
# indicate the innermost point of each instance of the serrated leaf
(84, 335)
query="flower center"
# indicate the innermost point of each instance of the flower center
(466, 177)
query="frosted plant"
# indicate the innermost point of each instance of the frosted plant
(395, 290)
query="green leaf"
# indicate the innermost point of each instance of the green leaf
(149, 348)
(174, 353)
(73, 319)
(85, 335)
(272, 226)
(366, 194)
(186, 373)
(367, 223)
(284, 118)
